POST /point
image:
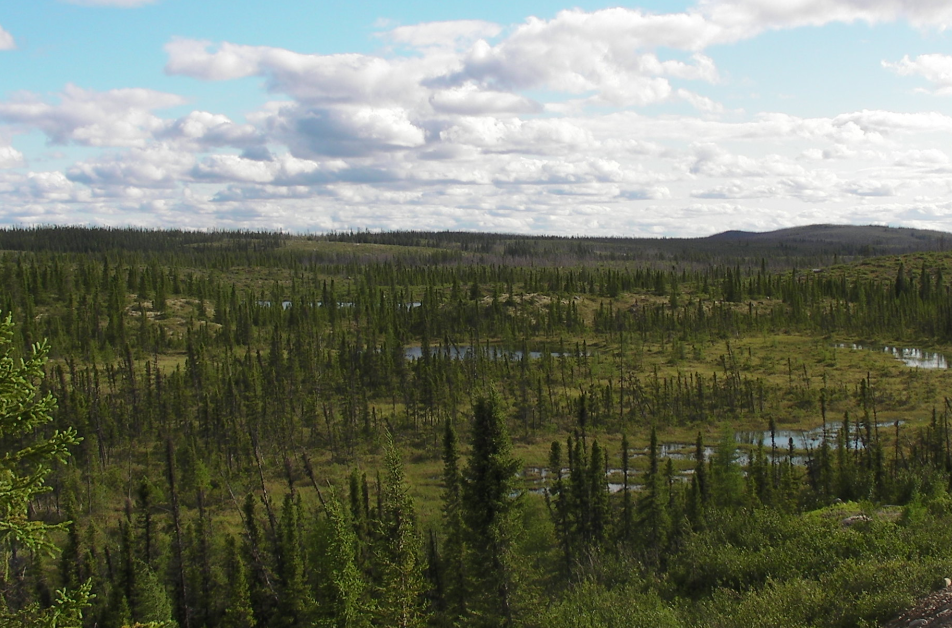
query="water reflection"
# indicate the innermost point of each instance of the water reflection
(805, 440)
(910, 356)
(464, 352)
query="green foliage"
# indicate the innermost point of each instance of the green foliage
(66, 612)
(25, 463)
(400, 596)
(25, 466)
(349, 607)
(489, 502)
(235, 355)
(589, 605)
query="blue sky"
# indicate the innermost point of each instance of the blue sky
(656, 118)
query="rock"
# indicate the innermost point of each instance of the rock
(852, 519)
(933, 611)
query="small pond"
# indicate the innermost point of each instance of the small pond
(910, 356)
(493, 353)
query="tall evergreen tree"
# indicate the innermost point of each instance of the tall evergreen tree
(401, 568)
(347, 585)
(454, 544)
(238, 612)
(488, 493)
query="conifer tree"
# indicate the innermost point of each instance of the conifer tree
(653, 506)
(699, 494)
(401, 567)
(25, 466)
(294, 603)
(347, 585)
(488, 494)
(238, 612)
(626, 525)
(599, 496)
(454, 545)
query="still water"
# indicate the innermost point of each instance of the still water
(910, 356)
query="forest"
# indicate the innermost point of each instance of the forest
(256, 429)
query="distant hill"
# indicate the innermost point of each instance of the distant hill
(812, 246)
(884, 240)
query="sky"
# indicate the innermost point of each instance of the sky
(675, 119)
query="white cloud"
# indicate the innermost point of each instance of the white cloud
(344, 131)
(741, 19)
(922, 158)
(873, 187)
(204, 129)
(52, 186)
(701, 103)
(469, 99)
(606, 53)
(935, 68)
(192, 58)
(314, 79)
(713, 161)
(451, 34)
(158, 166)
(514, 135)
(119, 117)
(468, 124)
(736, 190)
(10, 157)
(6, 40)
(655, 193)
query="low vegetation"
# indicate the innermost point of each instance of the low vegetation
(443, 429)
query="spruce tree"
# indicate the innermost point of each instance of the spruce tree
(24, 466)
(238, 612)
(654, 517)
(349, 608)
(454, 544)
(489, 501)
(401, 568)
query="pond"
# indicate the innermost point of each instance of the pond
(805, 440)
(910, 356)
(493, 353)
(286, 304)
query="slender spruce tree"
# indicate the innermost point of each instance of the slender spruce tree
(489, 496)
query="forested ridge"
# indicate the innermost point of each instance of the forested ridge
(443, 429)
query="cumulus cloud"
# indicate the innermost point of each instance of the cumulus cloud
(469, 124)
(456, 34)
(470, 100)
(713, 161)
(10, 157)
(873, 187)
(922, 158)
(515, 135)
(205, 129)
(655, 193)
(158, 166)
(740, 19)
(6, 40)
(119, 117)
(935, 68)
(314, 79)
(51, 186)
(283, 171)
(608, 53)
(701, 103)
(344, 131)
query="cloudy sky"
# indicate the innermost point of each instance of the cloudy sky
(657, 118)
